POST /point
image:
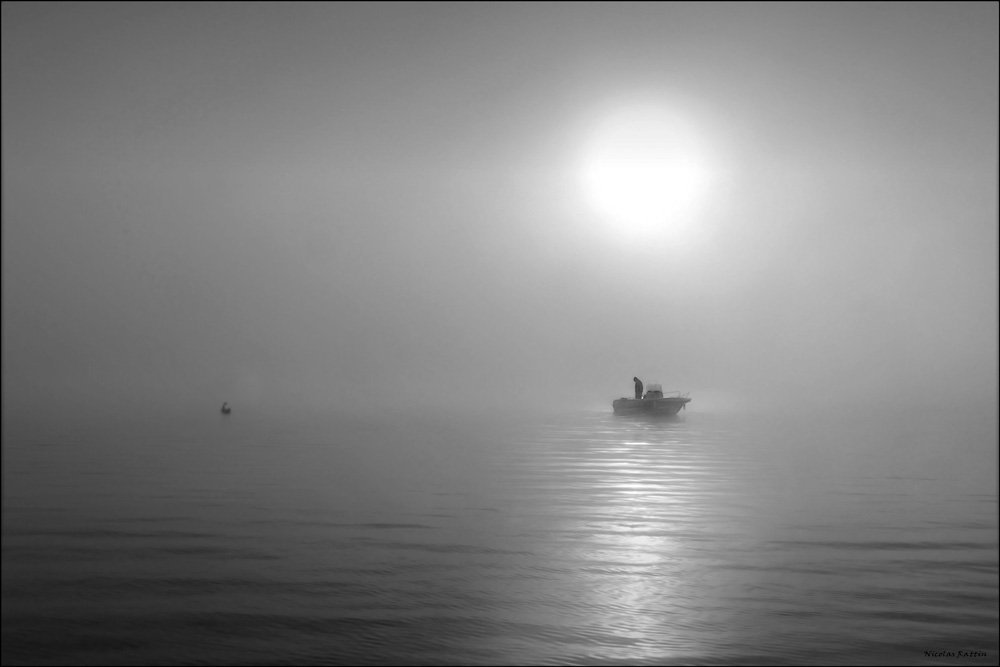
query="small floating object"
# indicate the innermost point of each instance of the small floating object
(226, 409)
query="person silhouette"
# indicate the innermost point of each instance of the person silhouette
(638, 387)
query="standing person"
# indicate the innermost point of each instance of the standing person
(638, 387)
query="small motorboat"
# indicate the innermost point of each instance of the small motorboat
(653, 402)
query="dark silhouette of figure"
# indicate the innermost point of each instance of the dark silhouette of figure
(226, 409)
(638, 387)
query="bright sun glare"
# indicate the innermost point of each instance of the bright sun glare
(645, 173)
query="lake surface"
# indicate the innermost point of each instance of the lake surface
(580, 538)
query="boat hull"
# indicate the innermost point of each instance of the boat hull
(650, 406)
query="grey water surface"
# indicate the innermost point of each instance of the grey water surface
(579, 538)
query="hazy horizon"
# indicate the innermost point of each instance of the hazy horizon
(330, 204)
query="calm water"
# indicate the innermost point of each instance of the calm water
(578, 539)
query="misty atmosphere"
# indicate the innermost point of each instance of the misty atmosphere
(400, 217)
(276, 204)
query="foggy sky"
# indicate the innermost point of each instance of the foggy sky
(326, 203)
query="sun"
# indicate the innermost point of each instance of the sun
(644, 172)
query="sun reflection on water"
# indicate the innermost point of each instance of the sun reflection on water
(638, 492)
